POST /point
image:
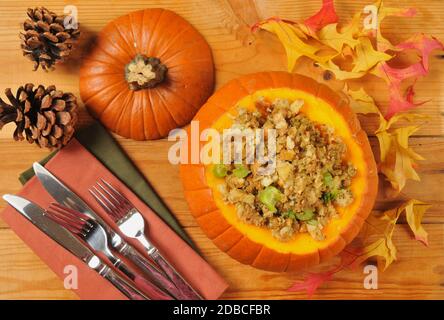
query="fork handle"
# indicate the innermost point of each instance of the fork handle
(185, 291)
(143, 284)
(151, 271)
(123, 286)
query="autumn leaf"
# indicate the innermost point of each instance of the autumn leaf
(314, 280)
(361, 102)
(414, 211)
(294, 46)
(382, 44)
(424, 45)
(394, 77)
(339, 73)
(367, 57)
(397, 159)
(400, 101)
(330, 36)
(323, 17)
(381, 226)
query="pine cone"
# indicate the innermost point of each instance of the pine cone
(45, 41)
(46, 116)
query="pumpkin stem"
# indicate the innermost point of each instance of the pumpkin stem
(144, 72)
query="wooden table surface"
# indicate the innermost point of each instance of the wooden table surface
(419, 271)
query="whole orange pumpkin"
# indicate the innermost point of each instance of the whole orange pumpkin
(255, 245)
(147, 73)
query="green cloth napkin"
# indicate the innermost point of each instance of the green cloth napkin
(96, 139)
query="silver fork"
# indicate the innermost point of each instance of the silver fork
(95, 236)
(132, 224)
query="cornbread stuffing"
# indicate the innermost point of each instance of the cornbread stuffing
(310, 180)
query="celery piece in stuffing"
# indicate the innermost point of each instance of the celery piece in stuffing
(220, 170)
(306, 215)
(269, 197)
(240, 171)
(328, 179)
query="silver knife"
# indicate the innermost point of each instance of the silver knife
(38, 217)
(63, 195)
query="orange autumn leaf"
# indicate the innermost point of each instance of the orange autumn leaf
(424, 45)
(399, 101)
(323, 17)
(313, 281)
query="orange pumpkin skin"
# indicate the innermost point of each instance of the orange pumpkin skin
(227, 236)
(148, 113)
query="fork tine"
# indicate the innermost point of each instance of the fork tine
(111, 197)
(121, 198)
(106, 204)
(99, 200)
(72, 220)
(70, 212)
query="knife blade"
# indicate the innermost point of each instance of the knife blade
(37, 216)
(65, 196)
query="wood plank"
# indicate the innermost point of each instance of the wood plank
(24, 275)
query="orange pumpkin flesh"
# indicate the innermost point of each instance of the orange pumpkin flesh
(254, 245)
(152, 112)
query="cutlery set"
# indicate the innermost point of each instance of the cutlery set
(75, 226)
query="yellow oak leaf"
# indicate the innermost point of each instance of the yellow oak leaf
(292, 42)
(339, 73)
(361, 102)
(414, 211)
(383, 226)
(397, 159)
(330, 36)
(366, 56)
(383, 12)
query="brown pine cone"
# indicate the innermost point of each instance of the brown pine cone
(45, 41)
(44, 116)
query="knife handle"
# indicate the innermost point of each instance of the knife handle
(151, 271)
(185, 291)
(127, 289)
(153, 292)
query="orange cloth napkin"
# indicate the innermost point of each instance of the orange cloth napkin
(79, 170)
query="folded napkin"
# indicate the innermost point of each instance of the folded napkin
(79, 170)
(102, 145)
